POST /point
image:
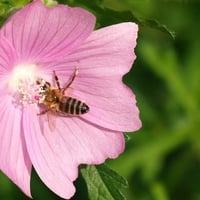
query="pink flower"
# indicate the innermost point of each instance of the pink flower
(36, 41)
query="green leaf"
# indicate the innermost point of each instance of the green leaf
(155, 24)
(106, 16)
(103, 183)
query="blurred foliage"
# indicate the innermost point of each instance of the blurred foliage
(162, 160)
(7, 7)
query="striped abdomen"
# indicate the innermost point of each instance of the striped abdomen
(72, 106)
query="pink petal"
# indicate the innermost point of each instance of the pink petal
(14, 162)
(57, 153)
(7, 59)
(44, 158)
(110, 107)
(38, 32)
(101, 62)
(106, 52)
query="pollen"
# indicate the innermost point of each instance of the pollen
(22, 84)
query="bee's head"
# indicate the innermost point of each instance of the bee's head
(43, 85)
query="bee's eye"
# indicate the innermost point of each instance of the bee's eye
(44, 87)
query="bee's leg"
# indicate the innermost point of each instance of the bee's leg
(43, 112)
(57, 80)
(71, 80)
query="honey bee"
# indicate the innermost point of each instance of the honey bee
(54, 99)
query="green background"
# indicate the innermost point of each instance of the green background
(162, 160)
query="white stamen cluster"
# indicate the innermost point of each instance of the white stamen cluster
(23, 85)
(27, 91)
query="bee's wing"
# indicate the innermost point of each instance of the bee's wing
(51, 121)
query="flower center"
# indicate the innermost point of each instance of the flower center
(22, 84)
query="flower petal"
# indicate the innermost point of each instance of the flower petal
(57, 153)
(106, 52)
(7, 59)
(102, 61)
(43, 156)
(14, 162)
(110, 107)
(38, 32)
